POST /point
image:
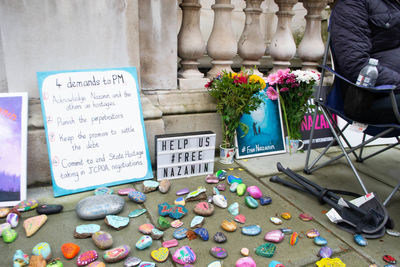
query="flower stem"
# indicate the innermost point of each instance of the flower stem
(286, 120)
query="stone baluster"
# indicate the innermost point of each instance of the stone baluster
(221, 46)
(283, 47)
(311, 48)
(191, 46)
(251, 45)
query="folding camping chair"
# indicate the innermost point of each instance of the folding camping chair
(333, 104)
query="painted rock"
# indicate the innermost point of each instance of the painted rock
(274, 236)
(275, 264)
(180, 233)
(197, 222)
(98, 207)
(146, 228)
(294, 238)
(49, 209)
(325, 252)
(204, 209)
(20, 258)
(86, 230)
(102, 240)
(137, 197)
(198, 194)
(103, 191)
(266, 250)
(250, 202)
(218, 252)
(43, 249)
(276, 220)
(180, 201)
(254, 191)
(221, 174)
(87, 257)
(150, 186)
(37, 261)
(286, 216)
(116, 254)
(320, 241)
(182, 191)
(156, 234)
(202, 233)
(33, 224)
(216, 191)
(176, 223)
(233, 179)
(12, 219)
(265, 200)
(389, 259)
(233, 187)
(212, 179)
(392, 232)
(163, 223)
(228, 225)
(27, 205)
(173, 211)
(70, 250)
(160, 255)
(240, 218)
(4, 212)
(220, 201)
(286, 231)
(132, 262)
(116, 222)
(144, 242)
(312, 233)
(3, 227)
(125, 191)
(219, 237)
(96, 264)
(215, 264)
(210, 199)
(170, 243)
(147, 264)
(164, 186)
(191, 235)
(184, 255)
(245, 252)
(330, 262)
(136, 213)
(251, 230)
(360, 240)
(234, 208)
(221, 187)
(305, 217)
(241, 189)
(245, 262)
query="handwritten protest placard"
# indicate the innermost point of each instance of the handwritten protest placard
(94, 128)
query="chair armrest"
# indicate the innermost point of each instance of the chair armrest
(378, 89)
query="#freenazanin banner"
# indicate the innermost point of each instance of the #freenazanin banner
(94, 128)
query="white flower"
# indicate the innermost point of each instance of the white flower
(305, 76)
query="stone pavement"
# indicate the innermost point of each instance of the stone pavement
(379, 173)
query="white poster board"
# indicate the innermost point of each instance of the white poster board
(94, 128)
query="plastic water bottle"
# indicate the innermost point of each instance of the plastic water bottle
(368, 74)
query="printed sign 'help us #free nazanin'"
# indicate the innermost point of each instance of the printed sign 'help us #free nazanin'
(94, 128)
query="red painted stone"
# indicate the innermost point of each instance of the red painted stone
(70, 250)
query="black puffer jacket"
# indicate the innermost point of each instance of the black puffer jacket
(361, 29)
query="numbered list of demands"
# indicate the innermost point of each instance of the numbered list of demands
(94, 128)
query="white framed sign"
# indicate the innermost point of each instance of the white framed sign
(94, 128)
(185, 154)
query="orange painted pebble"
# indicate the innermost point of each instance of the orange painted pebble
(70, 250)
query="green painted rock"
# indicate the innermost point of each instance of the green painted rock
(9, 235)
(55, 263)
(266, 250)
(163, 223)
(251, 202)
(241, 189)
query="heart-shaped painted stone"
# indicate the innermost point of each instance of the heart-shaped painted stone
(274, 236)
(33, 224)
(20, 258)
(266, 250)
(212, 179)
(184, 255)
(137, 196)
(87, 257)
(116, 254)
(136, 213)
(229, 225)
(144, 242)
(241, 189)
(240, 218)
(27, 205)
(197, 221)
(220, 201)
(116, 222)
(254, 191)
(234, 208)
(251, 230)
(43, 249)
(70, 250)
(160, 255)
(146, 228)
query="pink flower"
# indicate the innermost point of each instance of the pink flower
(208, 85)
(272, 79)
(272, 93)
(284, 89)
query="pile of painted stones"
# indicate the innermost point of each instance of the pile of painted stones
(106, 205)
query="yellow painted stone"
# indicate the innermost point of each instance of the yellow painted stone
(286, 215)
(328, 262)
(160, 255)
(229, 225)
(4, 212)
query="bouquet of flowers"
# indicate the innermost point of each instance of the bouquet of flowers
(293, 88)
(236, 94)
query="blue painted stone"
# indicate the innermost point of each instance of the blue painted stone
(132, 262)
(360, 240)
(103, 191)
(87, 230)
(144, 242)
(116, 222)
(221, 174)
(250, 202)
(215, 191)
(150, 183)
(202, 233)
(286, 231)
(136, 213)
(265, 200)
(233, 179)
(233, 187)
(180, 233)
(234, 208)
(325, 252)
(320, 241)
(173, 211)
(20, 258)
(275, 264)
(147, 264)
(43, 249)
(251, 230)
(137, 196)
(197, 221)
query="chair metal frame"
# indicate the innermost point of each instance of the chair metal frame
(337, 133)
